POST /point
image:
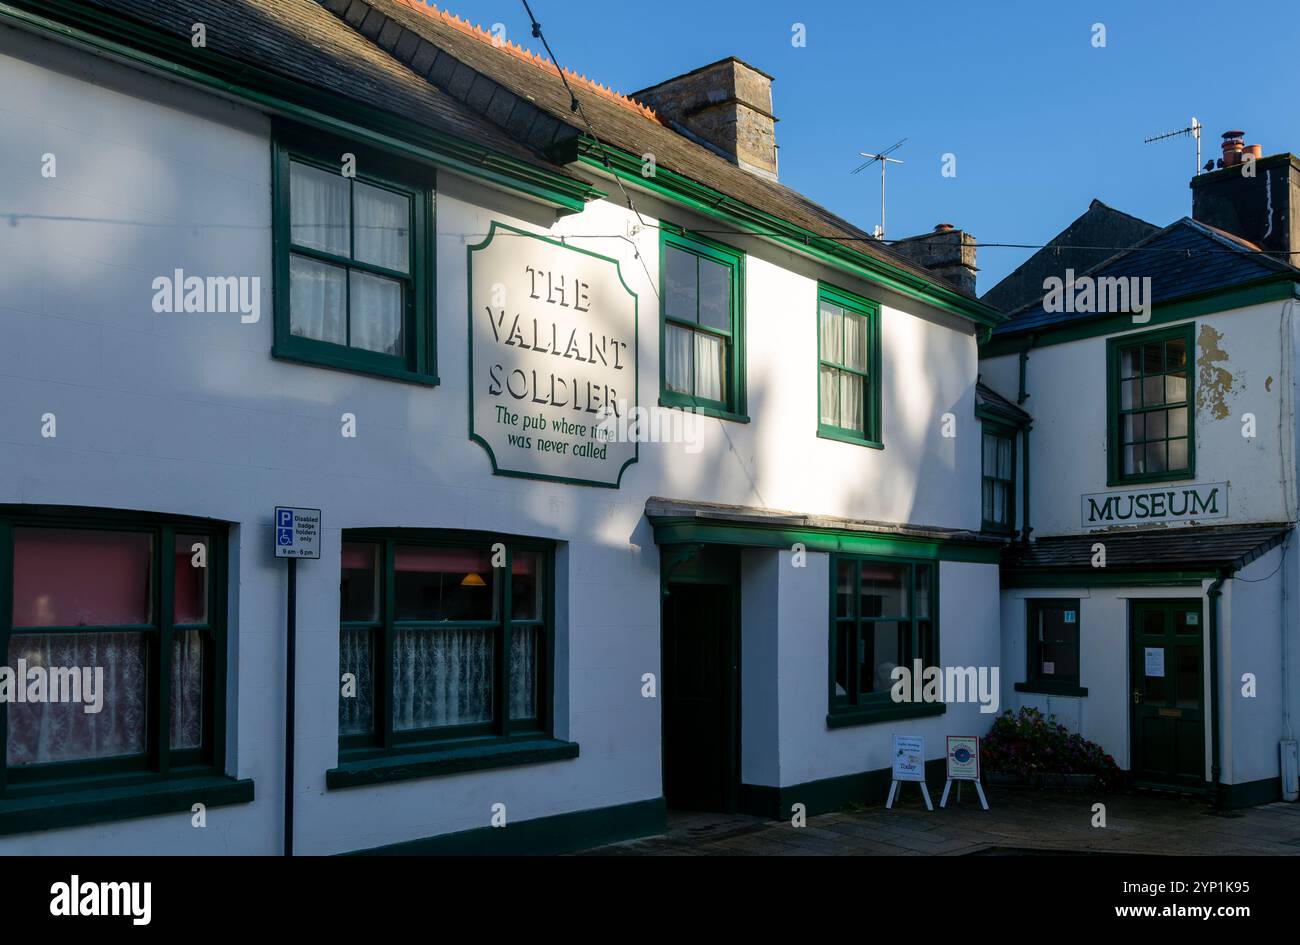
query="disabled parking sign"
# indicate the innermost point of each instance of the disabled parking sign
(297, 532)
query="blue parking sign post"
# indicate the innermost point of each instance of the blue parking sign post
(297, 535)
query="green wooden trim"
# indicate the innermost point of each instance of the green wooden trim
(1104, 577)
(830, 794)
(717, 205)
(1047, 689)
(635, 399)
(866, 715)
(1269, 289)
(559, 833)
(158, 758)
(418, 364)
(387, 754)
(1250, 793)
(734, 407)
(1114, 432)
(858, 708)
(115, 37)
(497, 753)
(111, 804)
(873, 435)
(997, 428)
(686, 530)
(1033, 676)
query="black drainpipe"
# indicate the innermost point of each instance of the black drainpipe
(1216, 589)
(1021, 397)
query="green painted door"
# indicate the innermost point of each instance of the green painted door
(1167, 697)
(698, 689)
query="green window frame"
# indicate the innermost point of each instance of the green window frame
(504, 626)
(882, 606)
(1150, 403)
(171, 746)
(997, 477)
(376, 177)
(1053, 627)
(846, 321)
(690, 267)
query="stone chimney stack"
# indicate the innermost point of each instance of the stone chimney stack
(1257, 200)
(725, 106)
(947, 252)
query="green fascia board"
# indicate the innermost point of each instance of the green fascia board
(674, 530)
(713, 203)
(1105, 577)
(107, 34)
(101, 805)
(1272, 289)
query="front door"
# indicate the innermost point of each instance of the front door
(698, 691)
(1167, 697)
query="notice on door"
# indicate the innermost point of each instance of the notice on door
(1155, 660)
(553, 353)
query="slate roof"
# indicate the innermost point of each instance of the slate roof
(1184, 259)
(1093, 237)
(987, 397)
(301, 40)
(617, 122)
(1223, 546)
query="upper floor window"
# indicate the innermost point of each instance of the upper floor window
(446, 636)
(115, 631)
(998, 479)
(353, 261)
(848, 367)
(703, 338)
(1152, 434)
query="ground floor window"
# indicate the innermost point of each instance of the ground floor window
(443, 635)
(883, 615)
(113, 632)
(1053, 643)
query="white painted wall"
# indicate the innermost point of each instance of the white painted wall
(189, 414)
(968, 613)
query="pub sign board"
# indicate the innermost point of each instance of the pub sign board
(553, 353)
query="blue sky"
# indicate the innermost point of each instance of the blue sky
(1040, 121)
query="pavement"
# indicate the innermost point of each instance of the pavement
(1020, 821)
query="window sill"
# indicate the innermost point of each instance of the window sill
(1052, 689)
(104, 805)
(704, 410)
(867, 715)
(427, 764)
(829, 433)
(352, 367)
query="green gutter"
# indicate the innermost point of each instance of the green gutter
(713, 203)
(104, 33)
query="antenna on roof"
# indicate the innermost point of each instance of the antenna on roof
(1194, 129)
(885, 160)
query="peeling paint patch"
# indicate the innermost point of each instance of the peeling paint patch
(1214, 381)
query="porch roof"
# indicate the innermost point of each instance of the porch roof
(1188, 551)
